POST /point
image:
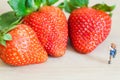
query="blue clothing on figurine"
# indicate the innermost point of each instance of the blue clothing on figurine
(113, 52)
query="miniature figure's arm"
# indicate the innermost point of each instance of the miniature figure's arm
(110, 48)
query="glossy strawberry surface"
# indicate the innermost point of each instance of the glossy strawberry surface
(88, 28)
(24, 48)
(51, 27)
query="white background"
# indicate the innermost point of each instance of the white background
(72, 66)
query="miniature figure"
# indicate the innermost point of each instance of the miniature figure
(112, 52)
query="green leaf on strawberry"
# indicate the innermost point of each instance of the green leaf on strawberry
(70, 5)
(2, 42)
(7, 18)
(79, 3)
(4, 38)
(25, 7)
(104, 7)
(61, 5)
(32, 5)
(7, 37)
(18, 6)
(7, 22)
(51, 2)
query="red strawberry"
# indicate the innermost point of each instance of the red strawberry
(88, 27)
(48, 22)
(24, 48)
(51, 27)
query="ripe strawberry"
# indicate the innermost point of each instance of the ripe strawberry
(88, 27)
(24, 48)
(48, 22)
(51, 27)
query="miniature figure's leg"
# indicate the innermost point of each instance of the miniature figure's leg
(114, 55)
(109, 62)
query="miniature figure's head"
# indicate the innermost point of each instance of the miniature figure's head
(113, 45)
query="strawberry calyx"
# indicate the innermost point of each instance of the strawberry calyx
(25, 7)
(105, 8)
(48, 2)
(7, 23)
(70, 5)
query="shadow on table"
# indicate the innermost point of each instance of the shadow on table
(96, 58)
(91, 57)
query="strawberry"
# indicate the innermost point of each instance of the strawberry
(47, 21)
(51, 27)
(23, 48)
(88, 27)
